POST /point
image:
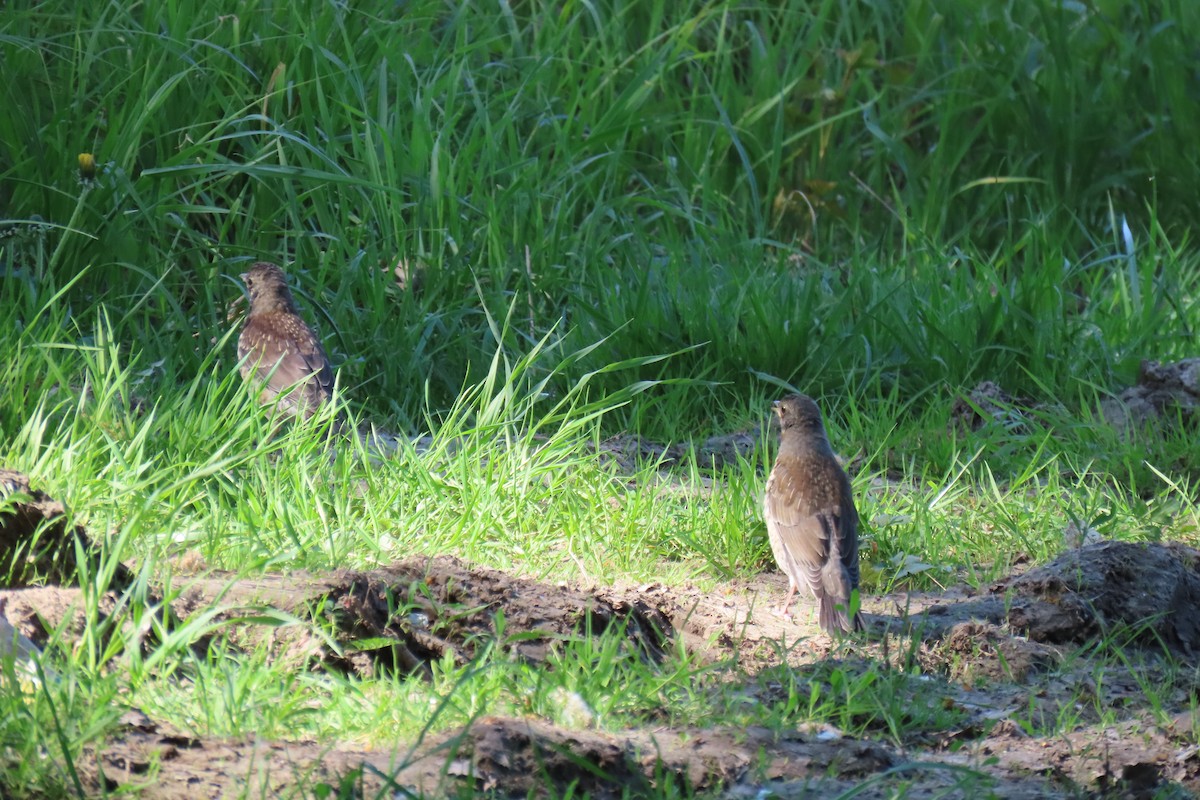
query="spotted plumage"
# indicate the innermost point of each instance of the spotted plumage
(811, 520)
(278, 349)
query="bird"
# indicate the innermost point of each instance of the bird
(811, 520)
(278, 349)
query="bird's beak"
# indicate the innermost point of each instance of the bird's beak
(775, 405)
(243, 276)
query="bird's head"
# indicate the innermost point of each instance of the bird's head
(799, 413)
(267, 286)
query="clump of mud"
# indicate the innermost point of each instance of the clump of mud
(1163, 392)
(986, 404)
(37, 546)
(1147, 592)
(1152, 591)
(411, 613)
(980, 652)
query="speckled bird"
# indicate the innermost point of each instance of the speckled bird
(278, 349)
(810, 514)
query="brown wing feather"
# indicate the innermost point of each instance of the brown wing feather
(803, 539)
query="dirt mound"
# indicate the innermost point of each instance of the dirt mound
(1162, 392)
(423, 609)
(977, 652)
(36, 544)
(1163, 395)
(1150, 591)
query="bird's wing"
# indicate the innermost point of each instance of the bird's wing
(805, 535)
(283, 351)
(807, 539)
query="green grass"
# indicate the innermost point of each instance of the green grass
(649, 218)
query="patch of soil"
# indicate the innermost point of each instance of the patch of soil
(507, 757)
(441, 605)
(1162, 392)
(628, 452)
(977, 652)
(36, 612)
(1149, 591)
(986, 404)
(36, 544)
(424, 609)
(1135, 758)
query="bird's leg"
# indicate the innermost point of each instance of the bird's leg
(785, 610)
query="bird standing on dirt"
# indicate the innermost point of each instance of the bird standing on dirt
(811, 519)
(278, 350)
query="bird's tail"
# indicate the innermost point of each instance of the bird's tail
(834, 611)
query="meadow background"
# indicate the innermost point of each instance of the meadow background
(638, 217)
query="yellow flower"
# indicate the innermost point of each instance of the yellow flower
(87, 166)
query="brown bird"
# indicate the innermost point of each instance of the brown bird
(277, 348)
(811, 519)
